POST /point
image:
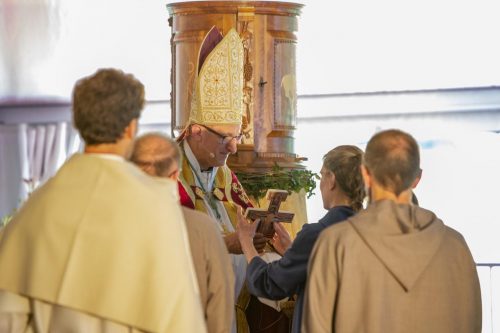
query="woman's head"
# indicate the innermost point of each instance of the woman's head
(341, 171)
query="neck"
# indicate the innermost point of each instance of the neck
(340, 200)
(204, 167)
(379, 193)
(119, 149)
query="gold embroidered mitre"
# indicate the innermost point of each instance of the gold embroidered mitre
(218, 87)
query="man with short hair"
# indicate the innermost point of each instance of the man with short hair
(159, 156)
(100, 247)
(394, 267)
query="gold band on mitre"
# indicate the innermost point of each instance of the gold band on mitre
(218, 87)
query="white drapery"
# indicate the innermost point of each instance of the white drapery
(29, 31)
(29, 155)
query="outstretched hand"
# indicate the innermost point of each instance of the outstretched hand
(251, 242)
(281, 240)
(246, 229)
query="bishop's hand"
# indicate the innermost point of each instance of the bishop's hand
(259, 242)
(233, 243)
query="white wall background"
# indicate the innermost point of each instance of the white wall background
(344, 45)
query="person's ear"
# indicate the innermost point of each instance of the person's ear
(130, 131)
(332, 180)
(195, 132)
(175, 175)
(417, 180)
(367, 177)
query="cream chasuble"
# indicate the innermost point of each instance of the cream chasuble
(103, 238)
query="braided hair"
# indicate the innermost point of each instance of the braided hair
(345, 162)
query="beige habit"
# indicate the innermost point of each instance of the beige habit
(101, 238)
(392, 268)
(213, 270)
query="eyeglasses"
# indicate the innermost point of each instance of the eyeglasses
(225, 139)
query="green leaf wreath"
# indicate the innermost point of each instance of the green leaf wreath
(257, 184)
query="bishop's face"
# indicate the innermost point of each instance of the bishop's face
(217, 142)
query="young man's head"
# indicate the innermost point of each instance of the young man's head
(106, 106)
(157, 155)
(392, 162)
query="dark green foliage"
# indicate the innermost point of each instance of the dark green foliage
(257, 184)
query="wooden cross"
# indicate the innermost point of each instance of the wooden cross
(272, 214)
